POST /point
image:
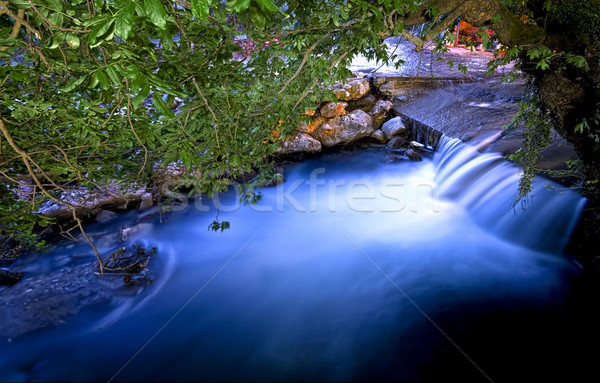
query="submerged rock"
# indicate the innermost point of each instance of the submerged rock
(394, 157)
(51, 298)
(131, 262)
(413, 155)
(8, 277)
(129, 231)
(105, 216)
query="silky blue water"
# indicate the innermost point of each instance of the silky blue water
(352, 269)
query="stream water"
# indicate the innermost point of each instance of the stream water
(352, 269)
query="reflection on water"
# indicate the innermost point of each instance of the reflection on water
(328, 277)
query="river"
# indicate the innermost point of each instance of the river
(354, 268)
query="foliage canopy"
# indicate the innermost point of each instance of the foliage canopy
(101, 91)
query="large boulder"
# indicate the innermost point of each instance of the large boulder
(334, 109)
(300, 143)
(345, 129)
(379, 111)
(353, 90)
(394, 127)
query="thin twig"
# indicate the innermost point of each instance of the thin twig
(51, 24)
(304, 60)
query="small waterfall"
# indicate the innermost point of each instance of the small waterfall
(422, 133)
(487, 186)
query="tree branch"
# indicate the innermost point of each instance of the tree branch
(27, 161)
(19, 20)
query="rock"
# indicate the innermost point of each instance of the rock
(365, 103)
(413, 155)
(300, 143)
(417, 144)
(105, 216)
(49, 298)
(316, 122)
(334, 109)
(379, 111)
(147, 201)
(394, 127)
(132, 259)
(113, 196)
(9, 277)
(129, 231)
(393, 157)
(345, 129)
(353, 90)
(397, 143)
(9, 249)
(378, 136)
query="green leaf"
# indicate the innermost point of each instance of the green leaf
(156, 12)
(100, 31)
(267, 5)
(55, 5)
(161, 106)
(257, 17)
(123, 22)
(113, 75)
(56, 40)
(93, 80)
(543, 64)
(140, 97)
(20, 4)
(242, 5)
(103, 79)
(137, 83)
(72, 40)
(56, 18)
(72, 85)
(200, 8)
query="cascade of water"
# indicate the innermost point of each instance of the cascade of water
(422, 133)
(487, 185)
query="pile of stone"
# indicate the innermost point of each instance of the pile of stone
(357, 115)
